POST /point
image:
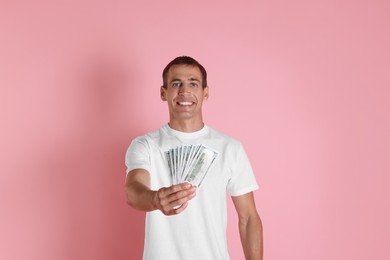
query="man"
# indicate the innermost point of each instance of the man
(180, 173)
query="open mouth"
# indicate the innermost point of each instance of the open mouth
(185, 103)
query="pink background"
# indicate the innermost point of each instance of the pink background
(303, 84)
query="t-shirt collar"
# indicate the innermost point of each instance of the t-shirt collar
(186, 135)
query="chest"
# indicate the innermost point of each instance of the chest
(183, 163)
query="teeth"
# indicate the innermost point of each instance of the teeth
(185, 103)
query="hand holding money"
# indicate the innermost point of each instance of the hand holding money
(190, 163)
(174, 199)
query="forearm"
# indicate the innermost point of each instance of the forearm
(171, 200)
(141, 197)
(251, 233)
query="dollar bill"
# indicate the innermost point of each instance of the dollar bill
(190, 163)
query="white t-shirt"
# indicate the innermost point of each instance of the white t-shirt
(199, 232)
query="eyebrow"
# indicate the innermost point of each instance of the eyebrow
(194, 79)
(174, 80)
(190, 79)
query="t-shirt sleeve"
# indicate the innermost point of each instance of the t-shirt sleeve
(137, 155)
(242, 177)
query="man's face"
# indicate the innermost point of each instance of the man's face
(184, 93)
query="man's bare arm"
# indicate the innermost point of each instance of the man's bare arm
(170, 201)
(250, 226)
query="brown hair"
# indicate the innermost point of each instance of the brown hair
(185, 60)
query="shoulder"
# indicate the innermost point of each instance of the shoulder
(147, 139)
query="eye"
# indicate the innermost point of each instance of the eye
(176, 84)
(194, 84)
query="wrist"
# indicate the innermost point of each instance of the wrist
(154, 199)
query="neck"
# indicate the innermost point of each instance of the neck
(187, 126)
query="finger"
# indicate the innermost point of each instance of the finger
(181, 208)
(185, 198)
(181, 200)
(165, 192)
(173, 192)
(178, 187)
(181, 194)
(171, 202)
(177, 210)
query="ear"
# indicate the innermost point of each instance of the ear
(206, 93)
(162, 93)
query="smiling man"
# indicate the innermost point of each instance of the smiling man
(184, 93)
(179, 175)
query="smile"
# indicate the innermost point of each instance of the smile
(185, 103)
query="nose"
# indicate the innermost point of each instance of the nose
(185, 88)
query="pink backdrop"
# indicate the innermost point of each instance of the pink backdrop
(303, 84)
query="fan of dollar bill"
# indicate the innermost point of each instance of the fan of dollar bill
(190, 163)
